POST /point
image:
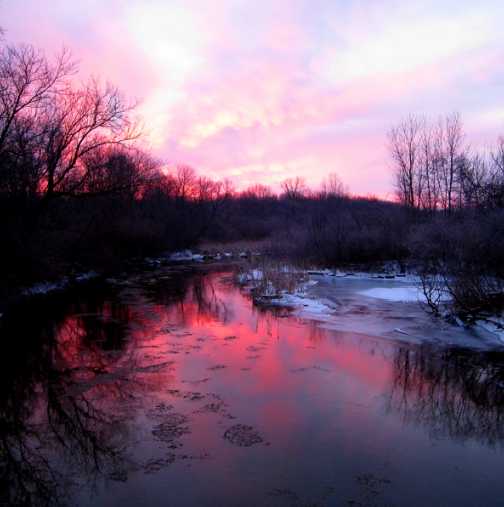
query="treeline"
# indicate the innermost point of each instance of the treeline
(76, 189)
(436, 170)
(324, 227)
(447, 224)
(456, 198)
(77, 192)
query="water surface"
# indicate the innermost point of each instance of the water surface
(169, 388)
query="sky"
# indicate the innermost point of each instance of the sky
(257, 91)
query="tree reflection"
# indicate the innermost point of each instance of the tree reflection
(55, 432)
(190, 297)
(204, 295)
(455, 392)
(66, 361)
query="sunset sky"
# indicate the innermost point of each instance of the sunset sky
(257, 91)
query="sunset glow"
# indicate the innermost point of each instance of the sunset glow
(261, 91)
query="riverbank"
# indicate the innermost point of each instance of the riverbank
(122, 270)
(387, 304)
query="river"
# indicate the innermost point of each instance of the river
(169, 387)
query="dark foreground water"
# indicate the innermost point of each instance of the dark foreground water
(170, 389)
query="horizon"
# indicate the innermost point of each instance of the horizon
(258, 94)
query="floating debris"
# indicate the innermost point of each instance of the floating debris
(155, 465)
(196, 382)
(186, 395)
(217, 367)
(254, 348)
(172, 427)
(242, 435)
(216, 407)
(307, 368)
(159, 411)
(154, 368)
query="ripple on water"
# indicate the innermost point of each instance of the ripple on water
(217, 367)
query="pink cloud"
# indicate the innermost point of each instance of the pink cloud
(258, 92)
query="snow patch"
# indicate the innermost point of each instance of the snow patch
(303, 305)
(395, 294)
(185, 255)
(83, 277)
(45, 288)
(255, 275)
(48, 287)
(495, 326)
(362, 275)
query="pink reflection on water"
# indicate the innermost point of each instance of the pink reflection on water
(200, 359)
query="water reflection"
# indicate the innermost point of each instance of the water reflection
(454, 393)
(53, 433)
(105, 385)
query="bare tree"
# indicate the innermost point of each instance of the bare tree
(498, 157)
(332, 186)
(228, 190)
(449, 153)
(454, 151)
(258, 191)
(494, 188)
(28, 81)
(186, 182)
(75, 124)
(430, 193)
(20, 169)
(431, 162)
(208, 189)
(114, 169)
(50, 128)
(472, 180)
(404, 146)
(294, 188)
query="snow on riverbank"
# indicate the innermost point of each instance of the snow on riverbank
(396, 294)
(305, 306)
(62, 284)
(410, 294)
(264, 285)
(185, 256)
(284, 286)
(385, 305)
(403, 278)
(494, 326)
(190, 256)
(255, 275)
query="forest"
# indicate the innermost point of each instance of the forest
(79, 191)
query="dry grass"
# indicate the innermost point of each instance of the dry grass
(268, 279)
(236, 247)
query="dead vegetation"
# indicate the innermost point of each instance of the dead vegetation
(267, 280)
